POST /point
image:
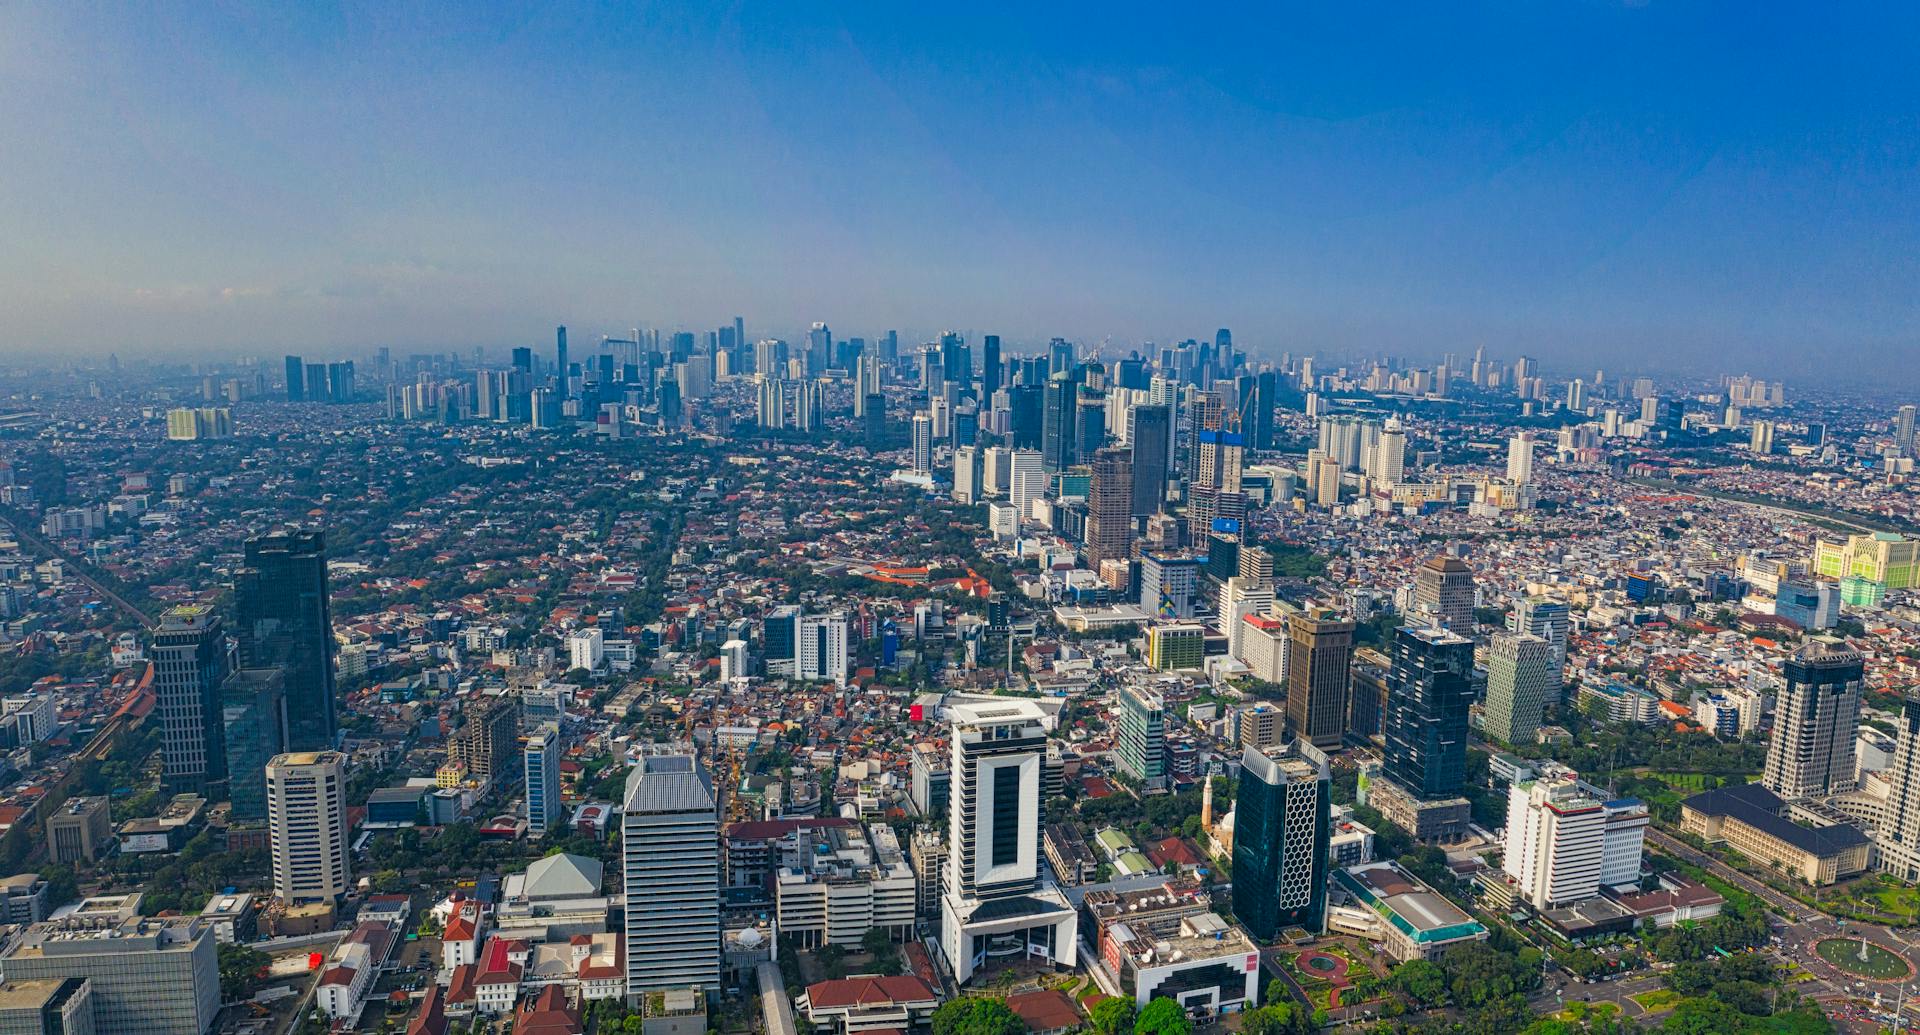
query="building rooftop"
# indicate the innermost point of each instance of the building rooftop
(1760, 808)
(668, 783)
(1410, 905)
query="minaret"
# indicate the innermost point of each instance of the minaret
(1206, 803)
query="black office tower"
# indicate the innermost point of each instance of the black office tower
(281, 601)
(560, 360)
(1429, 690)
(1023, 418)
(296, 379)
(1282, 827)
(990, 372)
(1057, 424)
(1152, 440)
(1089, 424)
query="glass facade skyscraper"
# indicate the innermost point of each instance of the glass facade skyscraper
(281, 601)
(1429, 689)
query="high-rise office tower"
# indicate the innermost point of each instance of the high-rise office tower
(1206, 413)
(996, 470)
(1057, 423)
(1028, 481)
(1059, 356)
(670, 844)
(1816, 720)
(821, 648)
(486, 743)
(1151, 441)
(254, 729)
(307, 826)
(1140, 744)
(1546, 618)
(922, 443)
(296, 379)
(819, 350)
(1443, 590)
(994, 894)
(280, 599)
(1898, 838)
(1240, 597)
(1520, 458)
(138, 976)
(991, 371)
(1025, 417)
(1169, 585)
(544, 811)
(967, 469)
(1110, 506)
(779, 639)
(1390, 456)
(1519, 682)
(1429, 691)
(1320, 654)
(1214, 499)
(1089, 424)
(1556, 839)
(189, 664)
(560, 364)
(1281, 829)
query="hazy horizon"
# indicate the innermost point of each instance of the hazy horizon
(1634, 187)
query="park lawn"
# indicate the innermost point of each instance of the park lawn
(1657, 1000)
(1893, 899)
(1683, 781)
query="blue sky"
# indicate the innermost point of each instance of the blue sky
(1639, 185)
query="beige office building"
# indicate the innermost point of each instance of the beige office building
(307, 825)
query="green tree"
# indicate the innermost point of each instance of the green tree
(1702, 1017)
(1113, 1016)
(1162, 1016)
(1422, 982)
(977, 1015)
(240, 967)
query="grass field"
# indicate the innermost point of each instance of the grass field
(1892, 899)
(1684, 781)
(1657, 1000)
(1577, 1013)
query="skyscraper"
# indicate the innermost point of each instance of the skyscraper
(1546, 618)
(1025, 420)
(1057, 423)
(1027, 481)
(1110, 507)
(1429, 691)
(670, 843)
(254, 719)
(1518, 683)
(1150, 440)
(1520, 458)
(1320, 654)
(994, 894)
(280, 598)
(1898, 839)
(544, 811)
(560, 360)
(1140, 747)
(821, 648)
(1281, 829)
(1903, 430)
(307, 826)
(1816, 720)
(1390, 456)
(1443, 590)
(296, 379)
(991, 370)
(922, 443)
(189, 664)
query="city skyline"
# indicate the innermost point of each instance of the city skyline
(1706, 194)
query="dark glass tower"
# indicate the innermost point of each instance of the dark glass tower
(1057, 424)
(990, 373)
(281, 601)
(296, 379)
(1152, 435)
(1280, 835)
(1024, 420)
(1429, 689)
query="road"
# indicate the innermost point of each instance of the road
(1785, 904)
(38, 545)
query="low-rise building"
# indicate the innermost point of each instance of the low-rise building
(853, 881)
(1384, 902)
(1751, 820)
(852, 1006)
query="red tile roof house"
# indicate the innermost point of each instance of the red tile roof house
(497, 984)
(1047, 1012)
(868, 1005)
